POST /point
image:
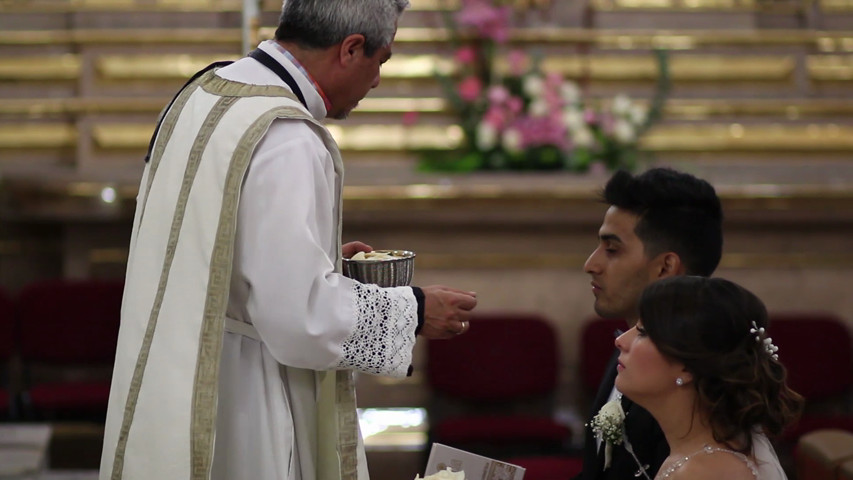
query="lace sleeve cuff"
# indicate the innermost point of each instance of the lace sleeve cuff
(384, 335)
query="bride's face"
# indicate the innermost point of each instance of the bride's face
(644, 372)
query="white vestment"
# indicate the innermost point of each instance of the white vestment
(272, 396)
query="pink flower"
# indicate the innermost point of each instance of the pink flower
(540, 131)
(498, 94)
(554, 101)
(590, 117)
(466, 55)
(495, 118)
(470, 88)
(489, 20)
(515, 104)
(410, 118)
(517, 60)
(607, 123)
(553, 80)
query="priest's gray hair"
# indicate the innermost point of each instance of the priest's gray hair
(324, 23)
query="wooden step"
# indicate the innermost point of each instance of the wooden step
(792, 6)
(606, 67)
(122, 36)
(689, 5)
(834, 68)
(41, 6)
(154, 66)
(704, 67)
(62, 6)
(730, 137)
(621, 39)
(698, 67)
(53, 67)
(37, 136)
(680, 109)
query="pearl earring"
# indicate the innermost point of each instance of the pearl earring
(679, 381)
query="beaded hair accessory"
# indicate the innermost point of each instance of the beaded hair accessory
(767, 342)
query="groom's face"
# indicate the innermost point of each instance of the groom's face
(619, 267)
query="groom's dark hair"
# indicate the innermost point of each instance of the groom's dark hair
(677, 213)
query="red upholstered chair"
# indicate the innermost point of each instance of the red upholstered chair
(68, 334)
(549, 467)
(825, 454)
(494, 386)
(596, 349)
(7, 345)
(817, 351)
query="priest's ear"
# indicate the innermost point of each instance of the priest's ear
(352, 47)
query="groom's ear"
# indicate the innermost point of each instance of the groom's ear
(668, 264)
(671, 265)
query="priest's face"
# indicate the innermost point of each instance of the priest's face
(362, 75)
(619, 267)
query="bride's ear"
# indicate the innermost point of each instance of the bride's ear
(686, 376)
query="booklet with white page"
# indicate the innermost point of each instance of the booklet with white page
(476, 467)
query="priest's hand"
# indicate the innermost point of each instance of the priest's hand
(447, 311)
(351, 248)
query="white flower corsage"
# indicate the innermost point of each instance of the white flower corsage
(609, 427)
(447, 474)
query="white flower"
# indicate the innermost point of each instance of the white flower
(583, 137)
(487, 136)
(538, 108)
(624, 131)
(621, 105)
(609, 427)
(570, 92)
(533, 85)
(443, 475)
(512, 140)
(573, 118)
(638, 114)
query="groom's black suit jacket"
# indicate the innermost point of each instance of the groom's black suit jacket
(643, 432)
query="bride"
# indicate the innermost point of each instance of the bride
(700, 361)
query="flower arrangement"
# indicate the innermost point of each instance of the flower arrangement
(515, 116)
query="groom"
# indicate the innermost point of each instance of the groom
(659, 224)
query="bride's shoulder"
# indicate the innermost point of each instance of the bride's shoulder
(721, 464)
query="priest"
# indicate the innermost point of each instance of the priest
(239, 335)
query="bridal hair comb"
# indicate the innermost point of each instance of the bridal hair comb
(767, 342)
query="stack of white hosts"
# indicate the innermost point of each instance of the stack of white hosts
(444, 475)
(374, 256)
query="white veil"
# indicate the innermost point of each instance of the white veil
(766, 460)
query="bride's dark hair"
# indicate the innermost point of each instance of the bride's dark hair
(705, 324)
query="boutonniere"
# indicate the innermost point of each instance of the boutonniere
(608, 425)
